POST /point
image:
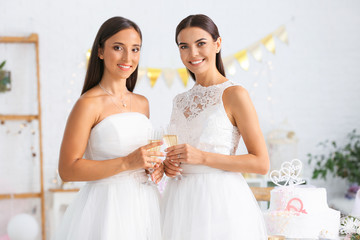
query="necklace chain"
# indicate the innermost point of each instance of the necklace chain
(111, 97)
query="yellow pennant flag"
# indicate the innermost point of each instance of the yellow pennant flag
(269, 43)
(184, 75)
(229, 65)
(153, 74)
(255, 51)
(243, 59)
(88, 54)
(281, 34)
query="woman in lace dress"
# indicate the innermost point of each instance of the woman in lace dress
(105, 144)
(211, 200)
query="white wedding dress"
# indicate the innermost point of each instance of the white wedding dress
(208, 203)
(121, 206)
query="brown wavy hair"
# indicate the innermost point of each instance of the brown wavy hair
(205, 23)
(95, 68)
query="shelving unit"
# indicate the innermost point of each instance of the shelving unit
(32, 39)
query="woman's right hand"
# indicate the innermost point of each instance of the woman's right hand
(144, 157)
(172, 168)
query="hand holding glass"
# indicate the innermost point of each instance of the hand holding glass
(155, 135)
(171, 139)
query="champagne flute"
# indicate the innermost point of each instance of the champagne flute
(171, 139)
(154, 135)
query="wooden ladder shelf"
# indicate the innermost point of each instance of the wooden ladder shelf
(32, 39)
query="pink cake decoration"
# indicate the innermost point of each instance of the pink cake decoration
(296, 205)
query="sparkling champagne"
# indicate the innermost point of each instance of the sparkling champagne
(155, 148)
(171, 140)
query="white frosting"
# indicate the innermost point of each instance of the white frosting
(313, 199)
(301, 212)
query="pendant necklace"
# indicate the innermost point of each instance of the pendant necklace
(111, 97)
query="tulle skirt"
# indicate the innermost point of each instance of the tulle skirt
(119, 207)
(210, 204)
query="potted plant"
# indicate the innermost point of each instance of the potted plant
(5, 80)
(340, 161)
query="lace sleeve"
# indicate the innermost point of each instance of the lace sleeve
(174, 111)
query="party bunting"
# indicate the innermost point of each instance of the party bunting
(169, 76)
(184, 75)
(153, 74)
(243, 59)
(241, 56)
(281, 34)
(255, 51)
(229, 65)
(269, 43)
(88, 53)
(141, 73)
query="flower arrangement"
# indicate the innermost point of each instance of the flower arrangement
(350, 226)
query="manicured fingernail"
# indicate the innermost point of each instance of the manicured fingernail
(180, 169)
(176, 165)
(178, 173)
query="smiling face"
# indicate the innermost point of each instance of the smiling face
(198, 50)
(121, 53)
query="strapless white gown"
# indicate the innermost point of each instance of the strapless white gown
(121, 206)
(208, 203)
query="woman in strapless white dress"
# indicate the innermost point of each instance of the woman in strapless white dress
(212, 199)
(105, 144)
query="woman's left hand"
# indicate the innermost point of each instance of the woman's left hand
(158, 173)
(185, 153)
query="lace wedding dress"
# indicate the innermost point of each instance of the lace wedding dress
(121, 206)
(208, 203)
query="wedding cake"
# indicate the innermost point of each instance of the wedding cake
(299, 211)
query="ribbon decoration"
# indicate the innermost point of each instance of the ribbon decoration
(153, 74)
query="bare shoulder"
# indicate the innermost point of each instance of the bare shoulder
(140, 104)
(236, 95)
(140, 98)
(88, 106)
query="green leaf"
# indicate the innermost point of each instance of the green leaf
(2, 64)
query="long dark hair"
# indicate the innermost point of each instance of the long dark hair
(95, 68)
(205, 23)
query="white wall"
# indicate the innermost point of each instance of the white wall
(315, 78)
